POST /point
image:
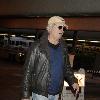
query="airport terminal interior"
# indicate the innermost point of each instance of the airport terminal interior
(22, 22)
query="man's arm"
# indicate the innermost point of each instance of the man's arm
(27, 73)
(69, 76)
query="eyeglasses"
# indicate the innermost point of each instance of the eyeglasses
(62, 27)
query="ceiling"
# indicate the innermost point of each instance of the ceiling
(49, 7)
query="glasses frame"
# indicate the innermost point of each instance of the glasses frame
(62, 27)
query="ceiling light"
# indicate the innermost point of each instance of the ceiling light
(81, 40)
(69, 39)
(31, 36)
(95, 41)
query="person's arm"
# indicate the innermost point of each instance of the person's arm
(69, 75)
(29, 63)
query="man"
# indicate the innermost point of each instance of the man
(47, 64)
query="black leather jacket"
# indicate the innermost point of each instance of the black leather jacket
(37, 66)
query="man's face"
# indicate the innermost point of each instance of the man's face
(57, 31)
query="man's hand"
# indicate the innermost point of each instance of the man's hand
(76, 87)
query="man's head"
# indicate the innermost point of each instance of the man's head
(56, 26)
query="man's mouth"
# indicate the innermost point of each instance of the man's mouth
(60, 33)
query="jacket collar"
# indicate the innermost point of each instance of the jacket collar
(44, 43)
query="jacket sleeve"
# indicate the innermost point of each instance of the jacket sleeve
(68, 72)
(28, 71)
